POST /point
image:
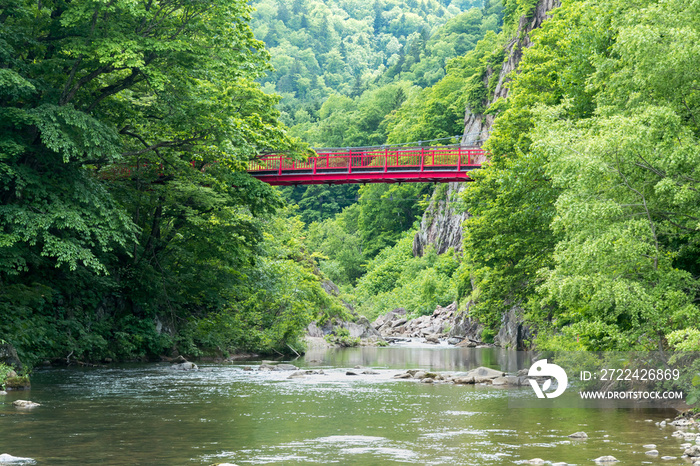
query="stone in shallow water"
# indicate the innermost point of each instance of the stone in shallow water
(184, 366)
(536, 461)
(649, 445)
(652, 452)
(24, 404)
(669, 458)
(560, 464)
(579, 435)
(606, 459)
(9, 459)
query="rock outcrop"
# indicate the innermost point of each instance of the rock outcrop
(360, 328)
(457, 328)
(514, 332)
(477, 127)
(441, 225)
(433, 327)
(8, 355)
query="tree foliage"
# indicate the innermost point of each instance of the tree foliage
(587, 215)
(124, 214)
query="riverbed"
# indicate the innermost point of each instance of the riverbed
(148, 414)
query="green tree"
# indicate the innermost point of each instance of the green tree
(121, 146)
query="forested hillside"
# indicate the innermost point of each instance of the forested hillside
(585, 224)
(341, 66)
(588, 217)
(129, 228)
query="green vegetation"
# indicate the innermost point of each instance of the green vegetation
(127, 225)
(587, 216)
(5, 370)
(341, 336)
(344, 67)
(129, 228)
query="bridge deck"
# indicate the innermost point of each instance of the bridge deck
(371, 165)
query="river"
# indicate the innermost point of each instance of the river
(147, 414)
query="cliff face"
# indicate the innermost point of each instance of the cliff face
(477, 127)
(441, 225)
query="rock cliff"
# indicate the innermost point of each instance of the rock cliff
(477, 127)
(441, 225)
(442, 221)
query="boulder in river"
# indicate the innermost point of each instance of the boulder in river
(606, 460)
(277, 367)
(185, 366)
(651, 452)
(8, 355)
(484, 374)
(693, 451)
(24, 404)
(578, 435)
(9, 459)
(464, 380)
(683, 422)
(536, 461)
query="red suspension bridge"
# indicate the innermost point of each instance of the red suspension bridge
(440, 164)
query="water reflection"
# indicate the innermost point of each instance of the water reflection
(437, 358)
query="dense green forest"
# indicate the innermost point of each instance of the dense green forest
(129, 228)
(587, 219)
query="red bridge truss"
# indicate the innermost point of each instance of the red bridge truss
(439, 164)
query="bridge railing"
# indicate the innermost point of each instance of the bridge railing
(375, 159)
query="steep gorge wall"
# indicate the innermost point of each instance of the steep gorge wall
(442, 221)
(477, 126)
(441, 225)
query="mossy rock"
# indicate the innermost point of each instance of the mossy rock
(17, 383)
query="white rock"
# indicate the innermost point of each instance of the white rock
(669, 457)
(579, 435)
(652, 452)
(3, 392)
(9, 459)
(649, 445)
(24, 404)
(536, 461)
(682, 423)
(560, 464)
(606, 459)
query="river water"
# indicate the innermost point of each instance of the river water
(147, 414)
